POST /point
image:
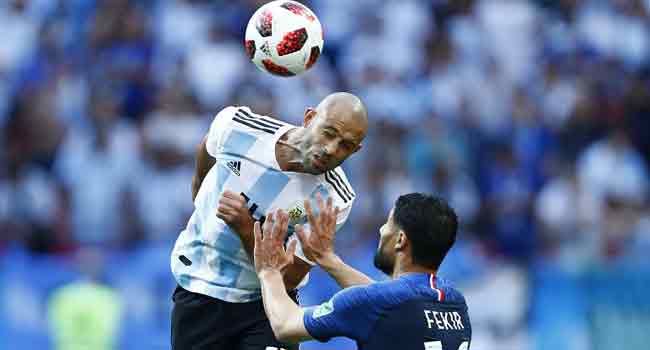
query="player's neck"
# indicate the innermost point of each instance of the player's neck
(288, 151)
(405, 268)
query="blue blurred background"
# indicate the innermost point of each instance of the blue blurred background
(531, 117)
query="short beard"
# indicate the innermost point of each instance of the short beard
(383, 263)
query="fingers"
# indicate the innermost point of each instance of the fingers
(231, 203)
(328, 212)
(335, 216)
(267, 228)
(234, 201)
(276, 223)
(310, 213)
(226, 214)
(291, 250)
(324, 210)
(319, 203)
(257, 231)
(228, 193)
(281, 226)
(300, 232)
(232, 195)
(229, 209)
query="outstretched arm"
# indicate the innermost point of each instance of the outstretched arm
(204, 162)
(344, 274)
(352, 312)
(318, 245)
(285, 317)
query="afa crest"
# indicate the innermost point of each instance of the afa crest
(296, 214)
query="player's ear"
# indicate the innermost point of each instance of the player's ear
(401, 242)
(310, 113)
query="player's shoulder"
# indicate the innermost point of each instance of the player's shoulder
(450, 294)
(340, 186)
(381, 294)
(244, 119)
(419, 286)
(427, 285)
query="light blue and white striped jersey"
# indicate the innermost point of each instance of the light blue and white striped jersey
(208, 257)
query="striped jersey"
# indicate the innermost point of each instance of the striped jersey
(208, 257)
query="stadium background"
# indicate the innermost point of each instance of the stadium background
(531, 117)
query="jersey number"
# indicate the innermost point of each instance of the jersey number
(436, 345)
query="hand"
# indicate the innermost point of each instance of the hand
(269, 253)
(318, 245)
(233, 210)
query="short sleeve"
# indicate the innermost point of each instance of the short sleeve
(218, 128)
(351, 313)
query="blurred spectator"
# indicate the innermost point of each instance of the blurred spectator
(94, 164)
(85, 314)
(160, 185)
(508, 196)
(214, 66)
(613, 155)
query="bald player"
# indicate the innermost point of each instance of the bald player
(248, 165)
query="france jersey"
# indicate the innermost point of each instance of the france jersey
(415, 311)
(208, 257)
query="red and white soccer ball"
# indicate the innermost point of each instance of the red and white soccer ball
(284, 38)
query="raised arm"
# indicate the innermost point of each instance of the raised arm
(208, 150)
(204, 162)
(351, 312)
(318, 245)
(285, 317)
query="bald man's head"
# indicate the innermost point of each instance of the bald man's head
(346, 107)
(334, 131)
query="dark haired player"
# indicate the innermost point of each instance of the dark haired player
(413, 310)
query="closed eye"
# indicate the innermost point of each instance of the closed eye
(348, 146)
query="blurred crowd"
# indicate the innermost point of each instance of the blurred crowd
(531, 117)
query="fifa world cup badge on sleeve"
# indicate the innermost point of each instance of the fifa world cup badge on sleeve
(324, 309)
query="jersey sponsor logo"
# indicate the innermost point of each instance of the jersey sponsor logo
(235, 166)
(324, 309)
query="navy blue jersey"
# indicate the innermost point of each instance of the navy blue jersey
(415, 311)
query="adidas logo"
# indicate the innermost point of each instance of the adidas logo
(235, 166)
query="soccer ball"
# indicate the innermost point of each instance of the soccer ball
(284, 38)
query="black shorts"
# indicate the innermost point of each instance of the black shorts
(201, 322)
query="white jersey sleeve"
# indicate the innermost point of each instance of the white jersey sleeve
(218, 129)
(342, 192)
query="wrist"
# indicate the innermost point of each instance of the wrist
(245, 228)
(267, 273)
(329, 261)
